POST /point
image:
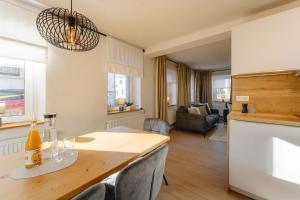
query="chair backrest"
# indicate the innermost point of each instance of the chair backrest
(157, 125)
(95, 192)
(142, 179)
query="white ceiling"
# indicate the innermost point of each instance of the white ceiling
(215, 55)
(168, 26)
(148, 22)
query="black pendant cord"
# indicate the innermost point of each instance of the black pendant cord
(103, 34)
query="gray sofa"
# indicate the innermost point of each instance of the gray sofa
(194, 122)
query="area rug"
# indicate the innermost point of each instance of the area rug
(219, 134)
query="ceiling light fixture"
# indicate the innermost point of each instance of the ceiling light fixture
(68, 29)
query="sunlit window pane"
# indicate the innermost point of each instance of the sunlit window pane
(221, 88)
(172, 86)
(12, 87)
(117, 88)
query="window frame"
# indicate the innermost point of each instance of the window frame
(172, 74)
(224, 78)
(128, 87)
(34, 92)
(133, 91)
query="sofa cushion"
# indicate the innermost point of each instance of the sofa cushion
(208, 108)
(182, 109)
(203, 110)
(194, 110)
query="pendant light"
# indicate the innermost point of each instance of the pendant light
(68, 29)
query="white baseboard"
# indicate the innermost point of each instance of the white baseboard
(245, 193)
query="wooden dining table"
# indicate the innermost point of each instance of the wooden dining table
(100, 154)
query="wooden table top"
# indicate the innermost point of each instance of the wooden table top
(100, 154)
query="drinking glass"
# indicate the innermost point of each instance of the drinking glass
(60, 151)
(69, 145)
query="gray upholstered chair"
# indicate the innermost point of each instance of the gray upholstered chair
(158, 126)
(140, 180)
(95, 192)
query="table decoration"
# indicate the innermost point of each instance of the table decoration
(48, 166)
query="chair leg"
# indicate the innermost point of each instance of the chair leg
(165, 179)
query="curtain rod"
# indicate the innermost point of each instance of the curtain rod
(128, 43)
(217, 70)
(221, 70)
(172, 61)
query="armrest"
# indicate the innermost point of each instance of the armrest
(214, 111)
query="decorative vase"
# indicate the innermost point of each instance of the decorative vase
(244, 108)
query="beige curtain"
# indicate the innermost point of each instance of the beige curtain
(203, 87)
(184, 84)
(161, 88)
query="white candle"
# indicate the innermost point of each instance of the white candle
(2, 107)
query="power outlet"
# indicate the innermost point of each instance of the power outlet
(242, 98)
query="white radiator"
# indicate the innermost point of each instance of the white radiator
(135, 121)
(12, 146)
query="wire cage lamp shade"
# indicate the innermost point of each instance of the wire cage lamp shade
(68, 29)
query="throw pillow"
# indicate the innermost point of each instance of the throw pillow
(193, 110)
(197, 108)
(208, 108)
(203, 110)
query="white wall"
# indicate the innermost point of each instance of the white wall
(148, 86)
(267, 44)
(76, 82)
(77, 89)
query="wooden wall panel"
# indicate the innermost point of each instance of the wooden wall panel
(275, 92)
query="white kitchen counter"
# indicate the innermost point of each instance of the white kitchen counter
(264, 160)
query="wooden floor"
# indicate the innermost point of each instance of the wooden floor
(196, 168)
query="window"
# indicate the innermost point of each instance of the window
(123, 87)
(12, 87)
(118, 88)
(172, 84)
(221, 87)
(22, 90)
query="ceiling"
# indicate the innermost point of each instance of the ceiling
(215, 55)
(148, 22)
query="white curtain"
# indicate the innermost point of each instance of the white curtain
(19, 38)
(123, 59)
(18, 22)
(20, 50)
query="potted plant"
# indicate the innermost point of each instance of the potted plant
(129, 105)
